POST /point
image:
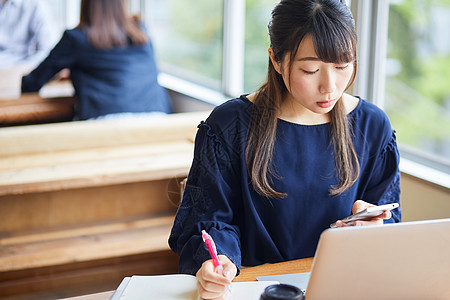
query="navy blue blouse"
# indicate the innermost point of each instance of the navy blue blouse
(106, 81)
(250, 229)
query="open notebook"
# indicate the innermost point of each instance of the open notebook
(409, 260)
(180, 287)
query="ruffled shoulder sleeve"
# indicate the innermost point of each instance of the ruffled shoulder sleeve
(384, 183)
(210, 199)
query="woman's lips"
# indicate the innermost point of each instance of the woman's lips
(326, 104)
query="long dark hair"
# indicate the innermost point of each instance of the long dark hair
(331, 25)
(108, 25)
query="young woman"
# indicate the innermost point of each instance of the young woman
(111, 63)
(272, 170)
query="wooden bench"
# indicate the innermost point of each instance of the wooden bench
(84, 204)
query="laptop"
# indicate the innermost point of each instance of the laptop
(409, 260)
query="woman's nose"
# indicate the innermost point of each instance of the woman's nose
(327, 83)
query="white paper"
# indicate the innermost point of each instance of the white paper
(184, 287)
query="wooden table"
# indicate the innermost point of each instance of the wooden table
(288, 267)
(247, 274)
(54, 103)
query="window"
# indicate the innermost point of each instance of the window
(403, 66)
(188, 38)
(257, 16)
(417, 89)
(66, 14)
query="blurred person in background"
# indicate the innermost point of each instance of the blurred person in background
(27, 33)
(111, 63)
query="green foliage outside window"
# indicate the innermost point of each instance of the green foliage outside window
(189, 41)
(256, 42)
(418, 94)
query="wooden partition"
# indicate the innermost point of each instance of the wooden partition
(83, 204)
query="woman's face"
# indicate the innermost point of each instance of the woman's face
(314, 86)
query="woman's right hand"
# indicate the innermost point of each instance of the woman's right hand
(213, 284)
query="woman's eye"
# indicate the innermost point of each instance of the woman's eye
(310, 72)
(342, 67)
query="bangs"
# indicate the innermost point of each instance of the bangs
(334, 41)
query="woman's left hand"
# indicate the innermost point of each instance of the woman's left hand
(360, 205)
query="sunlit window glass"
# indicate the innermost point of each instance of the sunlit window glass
(187, 37)
(256, 42)
(418, 76)
(65, 14)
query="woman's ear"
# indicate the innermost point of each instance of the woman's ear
(275, 63)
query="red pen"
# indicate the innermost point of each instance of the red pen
(212, 251)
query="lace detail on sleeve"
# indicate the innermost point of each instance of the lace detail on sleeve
(209, 175)
(212, 151)
(206, 203)
(391, 145)
(386, 187)
(392, 195)
(209, 132)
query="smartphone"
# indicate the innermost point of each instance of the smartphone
(368, 213)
